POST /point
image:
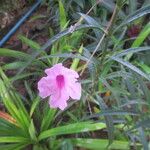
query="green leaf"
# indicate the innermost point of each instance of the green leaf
(54, 39)
(142, 36)
(108, 119)
(132, 6)
(66, 145)
(29, 91)
(144, 123)
(13, 139)
(36, 17)
(14, 105)
(15, 54)
(137, 14)
(13, 65)
(29, 42)
(132, 50)
(9, 129)
(105, 70)
(145, 67)
(72, 128)
(62, 15)
(93, 2)
(140, 39)
(132, 67)
(80, 3)
(7, 101)
(100, 144)
(143, 138)
(39, 147)
(109, 5)
(47, 118)
(32, 44)
(76, 60)
(18, 146)
(92, 21)
(144, 88)
(21, 76)
(32, 131)
(112, 113)
(34, 105)
(66, 55)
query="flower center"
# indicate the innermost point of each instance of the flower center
(60, 81)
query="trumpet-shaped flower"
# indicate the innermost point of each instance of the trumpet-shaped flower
(60, 84)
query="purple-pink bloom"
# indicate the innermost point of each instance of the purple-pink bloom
(60, 84)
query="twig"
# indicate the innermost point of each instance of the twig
(73, 27)
(100, 41)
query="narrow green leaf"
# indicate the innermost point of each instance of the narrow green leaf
(29, 90)
(18, 146)
(76, 60)
(14, 65)
(47, 118)
(66, 145)
(140, 39)
(108, 119)
(29, 42)
(132, 50)
(92, 21)
(13, 139)
(144, 123)
(14, 106)
(36, 17)
(72, 128)
(112, 113)
(143, 139)
(34, 105)
(132, 67)
(104, 72)
(100, 144)
(137, 14)
(62, 15)
(132, 6)
(32, 131)
(145, 67)
(9, 129)
(15, 54)
(142, 36)
(66, 55)
(21, 76)
(54, 39)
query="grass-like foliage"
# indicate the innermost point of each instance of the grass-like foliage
(107, 43)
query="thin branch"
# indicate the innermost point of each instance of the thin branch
(100, 41)
(73, 27)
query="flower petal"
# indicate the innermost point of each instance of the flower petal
(46, 87)
(74, 90)
(55, 70)
(70, 73)
(59, 99)
(60, 84)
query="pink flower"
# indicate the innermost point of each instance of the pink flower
(60, 84)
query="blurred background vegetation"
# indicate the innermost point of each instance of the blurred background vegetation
(108, 43)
